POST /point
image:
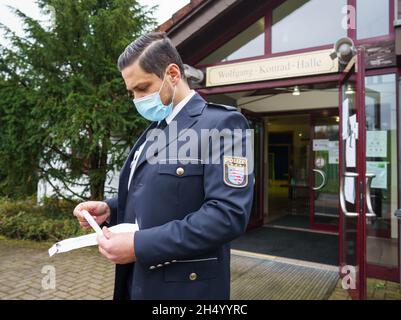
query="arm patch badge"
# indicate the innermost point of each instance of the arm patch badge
(235, 171)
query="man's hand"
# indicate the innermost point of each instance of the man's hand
(117, 247)
(98, 209)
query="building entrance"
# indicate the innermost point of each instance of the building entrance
(308, 152)
(302, 184)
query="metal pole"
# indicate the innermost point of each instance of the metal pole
(397, 213)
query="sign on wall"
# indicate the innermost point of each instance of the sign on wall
(304, 64)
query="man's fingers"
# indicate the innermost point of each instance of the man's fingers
(95, 208)
(89, 206)
(102, 242)
(82, 221)
(81, 218)
(77, 210)
(103, 252)
(85, 225)
(104, 248)
(106, 233)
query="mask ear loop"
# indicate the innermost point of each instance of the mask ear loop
(161, 87)
(164, 80)
(172, 100)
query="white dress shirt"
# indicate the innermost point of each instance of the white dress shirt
(170, 118)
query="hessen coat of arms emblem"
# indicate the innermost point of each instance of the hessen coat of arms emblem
(236, 172)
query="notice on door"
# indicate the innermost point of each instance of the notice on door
(380, 170)
(350, 148)
(350, 152)
(376, 144)
(345, 115)
(321, 145)
(333, 152)
(349, 189)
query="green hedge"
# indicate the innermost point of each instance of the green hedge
(52, 221)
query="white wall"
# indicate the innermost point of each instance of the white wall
(45, 189)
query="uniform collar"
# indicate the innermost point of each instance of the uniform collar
(179, 106)
(183, 121)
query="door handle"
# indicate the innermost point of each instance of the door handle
(324, 182)
(370, 213)
(342, 195)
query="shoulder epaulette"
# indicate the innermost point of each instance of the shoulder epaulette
(229, 108)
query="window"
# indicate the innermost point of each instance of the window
(381, 157)
(372, 18)
(249, 43)
(307, 23)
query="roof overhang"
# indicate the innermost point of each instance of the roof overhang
(195, 28)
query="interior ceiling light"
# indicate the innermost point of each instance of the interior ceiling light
(350, 90)
(296, 91)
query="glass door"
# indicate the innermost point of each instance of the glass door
(381, 161)
(324, 184)
(353, 191)
(256, 218)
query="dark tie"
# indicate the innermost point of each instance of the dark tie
(162, 124)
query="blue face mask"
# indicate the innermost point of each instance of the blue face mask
(151, 106)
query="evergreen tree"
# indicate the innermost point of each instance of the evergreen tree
(63, 104)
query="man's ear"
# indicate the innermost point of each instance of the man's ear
(174, 73)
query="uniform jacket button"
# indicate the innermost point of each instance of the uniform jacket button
(152, 267)
(159, 265)
(193, 276)
(174, 261)
(180, 171)
(166, 263)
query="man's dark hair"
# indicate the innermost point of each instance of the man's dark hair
(154, 51)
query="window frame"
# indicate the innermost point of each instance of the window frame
(391, 30)
(268, 17)
(249, 23)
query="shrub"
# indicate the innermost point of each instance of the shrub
(52, 221)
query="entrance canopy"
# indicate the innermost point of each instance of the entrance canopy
(280, 99)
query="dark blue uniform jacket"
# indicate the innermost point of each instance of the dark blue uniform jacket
(188, 208)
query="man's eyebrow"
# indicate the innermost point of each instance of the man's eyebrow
(142, 84)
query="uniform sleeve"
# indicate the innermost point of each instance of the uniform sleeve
(224, 214)
(113, 204)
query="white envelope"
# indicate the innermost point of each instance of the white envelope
(88, 240)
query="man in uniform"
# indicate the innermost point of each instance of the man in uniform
(188, 207)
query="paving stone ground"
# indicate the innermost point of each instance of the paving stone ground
(377, 290)
(256, 278)
(81, 274)
(85, 275)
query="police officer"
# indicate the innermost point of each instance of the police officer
(188, 206)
